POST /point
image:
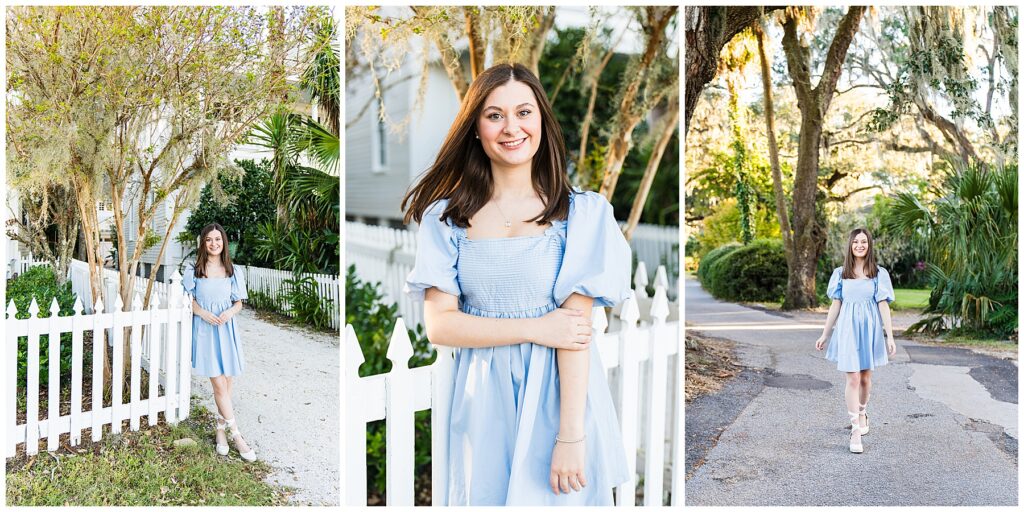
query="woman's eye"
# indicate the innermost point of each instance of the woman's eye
(524, 113)
(494, 116)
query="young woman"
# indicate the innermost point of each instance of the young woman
(217, 290)
(510, 262)
(861, 292)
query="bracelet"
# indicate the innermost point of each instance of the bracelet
(560, 440)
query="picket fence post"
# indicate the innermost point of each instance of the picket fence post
(628, 393)
(654, 453)
(99, 349)
(32, 417)
(173, 344)
(354, 444)
(401, 433)
(78, 327)
(11, 383)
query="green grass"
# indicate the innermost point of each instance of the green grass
(142, 468)
(908, 298)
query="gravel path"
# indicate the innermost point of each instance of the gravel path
(785, 442)
(287, 406)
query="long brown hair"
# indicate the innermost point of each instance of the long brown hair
(462, 171)
(870, 265)
(225, 256)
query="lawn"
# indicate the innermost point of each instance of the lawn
(142, 468)
(908, 298)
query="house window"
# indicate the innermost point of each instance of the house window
(380, 146)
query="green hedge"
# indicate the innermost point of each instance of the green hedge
(711, 257)
(753, 272)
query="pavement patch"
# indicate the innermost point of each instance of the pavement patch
(805, 382)
(955, 388)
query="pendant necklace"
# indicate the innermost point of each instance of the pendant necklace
(508, 223)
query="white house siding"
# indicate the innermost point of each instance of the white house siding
(376, 196)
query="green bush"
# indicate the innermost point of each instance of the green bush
(41, 283)
(240, 204)
(373, 322)
(303, 294)
(753, 272)
(710, 258)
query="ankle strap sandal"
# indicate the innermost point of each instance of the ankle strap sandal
(235, 434)
(857, 447)
(865, 428)
(220, 424)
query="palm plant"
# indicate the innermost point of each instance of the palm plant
(971, 233)
(305, 162)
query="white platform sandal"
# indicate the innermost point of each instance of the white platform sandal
(222, 449)
(867, 427)
(855, 428)
(248, 456)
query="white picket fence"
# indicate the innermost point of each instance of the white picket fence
(168, 335)
(645, 370)
(269, 282)
(387, 255)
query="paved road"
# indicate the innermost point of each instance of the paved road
(943, 422)
(288, 406)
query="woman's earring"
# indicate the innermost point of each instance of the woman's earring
(478, 135)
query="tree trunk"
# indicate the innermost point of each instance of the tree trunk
(708, 30)
(538, 39)
(477, 47)
(629, 116)
(813, 102)
(594, 77)
(781, 208)
(671, 121)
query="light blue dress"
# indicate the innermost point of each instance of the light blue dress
(216, 349)
(505, 403)
(858, 339)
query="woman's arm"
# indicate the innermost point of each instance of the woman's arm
(446, 325)
(883, 310)
(833, 313)
(568, 456)
(204, 314)
(230, 312)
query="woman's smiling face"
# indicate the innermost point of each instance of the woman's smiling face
(509, 125)
(214, 242)
(859, 245)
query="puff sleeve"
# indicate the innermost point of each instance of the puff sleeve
(238, 287)
(883, 286)
(436, 255)
(835, 284)
(597, 259)
(188, 279)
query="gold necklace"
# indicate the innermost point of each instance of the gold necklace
(508, 223)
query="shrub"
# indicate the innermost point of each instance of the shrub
(41, 283)
(753, 272)
(303, 294)
(709, 260)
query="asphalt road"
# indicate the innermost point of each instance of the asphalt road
(943, 422)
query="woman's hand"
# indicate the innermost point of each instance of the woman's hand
(567, 467)
(226, 315)
(890, 345)
(210, 318)
(563, 328)
(820, 344)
